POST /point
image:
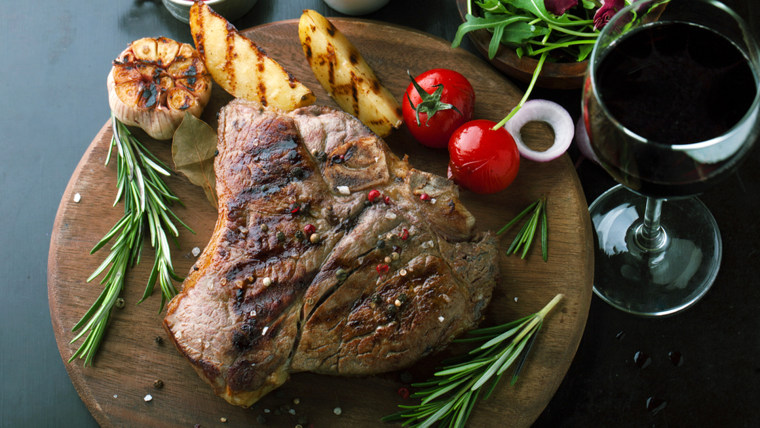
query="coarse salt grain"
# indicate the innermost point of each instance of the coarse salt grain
(344, 190)
(440, 319)
(515, 299)
(338, 411)
(148, 398)
(77, 197)
(196, 252)
(264, 330)
(390, 215)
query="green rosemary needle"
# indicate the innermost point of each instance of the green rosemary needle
(524, 237)
(449, 397)
(146, 211)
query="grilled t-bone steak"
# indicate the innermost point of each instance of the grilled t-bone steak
(330, 254)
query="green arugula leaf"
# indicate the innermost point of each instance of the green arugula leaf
(589, 4)
(538, 9)
(518, 33)
(488, 22)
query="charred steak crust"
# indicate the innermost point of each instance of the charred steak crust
(304, 273)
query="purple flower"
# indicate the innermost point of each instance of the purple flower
(559, 7)
(607, 11)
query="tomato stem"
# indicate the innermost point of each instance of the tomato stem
(430, 104)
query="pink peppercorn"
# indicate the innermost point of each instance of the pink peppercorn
(405, 234)
(309, 229)
(372, 195)
(403, 392)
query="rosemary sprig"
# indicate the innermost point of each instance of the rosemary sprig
(146, 210)
(524, 237)
(449, 397)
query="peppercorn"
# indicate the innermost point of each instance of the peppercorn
(382, 268)
(297, 172)
(158, 384)
(372, 195)
(119, 302)
(341, 274)
(309, 229)
(403, 392)
(280, 236)
(405, 234)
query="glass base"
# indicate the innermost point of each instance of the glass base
(660, 281)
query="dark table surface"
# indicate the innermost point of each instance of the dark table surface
(56, 55)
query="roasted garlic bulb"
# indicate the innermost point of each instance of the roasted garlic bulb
(154, 82)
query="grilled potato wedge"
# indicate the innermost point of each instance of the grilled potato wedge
(346, 76)
(241, 67)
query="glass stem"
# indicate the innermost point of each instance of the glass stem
(650, 236)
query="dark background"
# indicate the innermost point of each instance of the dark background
(55, 57)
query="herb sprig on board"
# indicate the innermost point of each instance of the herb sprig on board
(147, 201)
(448, 398)
(524, 237)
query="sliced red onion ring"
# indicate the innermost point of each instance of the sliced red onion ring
(542, 111)
(582, 140)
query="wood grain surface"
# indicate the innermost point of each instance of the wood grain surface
(132, 356)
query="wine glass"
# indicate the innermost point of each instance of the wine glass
(671, 104)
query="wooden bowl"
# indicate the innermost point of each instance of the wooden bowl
(554, 75)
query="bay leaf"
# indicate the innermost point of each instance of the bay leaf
(193, 152)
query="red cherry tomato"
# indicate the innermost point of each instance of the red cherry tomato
(445, 102)
(482, 159)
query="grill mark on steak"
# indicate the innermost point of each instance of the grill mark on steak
(264, 300)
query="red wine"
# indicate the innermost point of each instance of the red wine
(669, 83)
(676, 83)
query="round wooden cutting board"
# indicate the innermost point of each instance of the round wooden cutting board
(135, 352)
